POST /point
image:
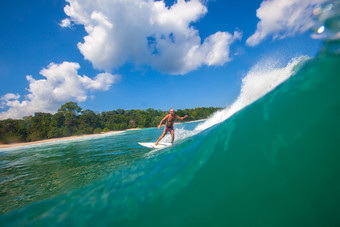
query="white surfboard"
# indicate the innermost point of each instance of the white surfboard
(152, 145)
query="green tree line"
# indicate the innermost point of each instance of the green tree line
(71, 119)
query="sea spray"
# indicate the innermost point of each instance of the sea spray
(180, 134)
(260, 80)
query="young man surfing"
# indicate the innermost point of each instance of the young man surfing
(169, 125)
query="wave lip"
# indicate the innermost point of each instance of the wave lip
(261, 79)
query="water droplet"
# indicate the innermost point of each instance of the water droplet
(321, 29)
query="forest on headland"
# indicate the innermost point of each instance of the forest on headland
(72, 120)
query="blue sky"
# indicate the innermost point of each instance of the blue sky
(102, 56)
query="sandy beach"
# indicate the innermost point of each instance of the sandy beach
(73, 137)
(61, 139)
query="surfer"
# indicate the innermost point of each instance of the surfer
(169, 125)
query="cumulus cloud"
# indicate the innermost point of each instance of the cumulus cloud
(282, 18)
(66, 23)
(9, 97)
(61, 84)
(147, 32)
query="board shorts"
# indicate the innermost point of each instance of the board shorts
(168, 129)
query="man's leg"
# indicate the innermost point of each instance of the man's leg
(161, 137)
(172, 136)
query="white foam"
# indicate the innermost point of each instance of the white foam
(260, 80)
(180, 134)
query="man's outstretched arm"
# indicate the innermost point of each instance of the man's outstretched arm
(181, 118)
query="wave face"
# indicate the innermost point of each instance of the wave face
(271, 161)
(274, 163)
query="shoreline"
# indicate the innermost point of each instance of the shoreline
(12, 145)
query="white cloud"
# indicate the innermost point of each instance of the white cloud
(147, 32)
(9, 97)
(282, 18)
(61, 84)
(66, 23)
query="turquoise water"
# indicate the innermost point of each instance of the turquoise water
(36, 172)
(275, 162)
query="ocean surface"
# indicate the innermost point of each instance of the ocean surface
(272, 158)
